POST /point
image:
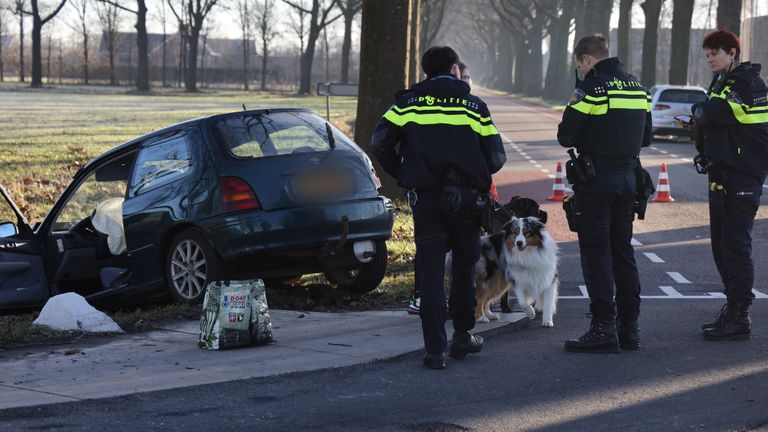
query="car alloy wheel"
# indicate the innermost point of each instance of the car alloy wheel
(189, 269)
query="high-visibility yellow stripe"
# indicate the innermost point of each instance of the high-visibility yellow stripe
(744, 117)
(628, 92)
(439, 108)
(596, 99)
(623, 103)
(440, 119)
(590, 109)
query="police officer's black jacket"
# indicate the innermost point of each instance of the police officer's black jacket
(434, 128)
(733, 122)
(608, 117)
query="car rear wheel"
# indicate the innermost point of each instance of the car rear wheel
(364, 278)
(191, 263)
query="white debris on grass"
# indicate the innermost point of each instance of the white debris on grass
(71, 311)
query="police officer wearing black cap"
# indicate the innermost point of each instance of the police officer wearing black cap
(732, 141)
(607, 120)
(438, 140)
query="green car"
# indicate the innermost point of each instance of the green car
(254, 194)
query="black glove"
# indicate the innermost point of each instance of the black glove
(450, 198)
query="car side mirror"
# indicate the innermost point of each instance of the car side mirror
(8, 229)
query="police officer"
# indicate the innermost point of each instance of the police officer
(438, 140)
(607, 120)
(732, 142)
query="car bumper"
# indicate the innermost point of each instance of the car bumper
(238, 235)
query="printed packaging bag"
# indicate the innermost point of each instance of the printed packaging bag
(235, 314)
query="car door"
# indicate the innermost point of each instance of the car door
(22, 271)
(158, 198)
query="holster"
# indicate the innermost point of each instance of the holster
(571, 212)
(644, 190)
(579, 168)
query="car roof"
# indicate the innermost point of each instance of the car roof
(678, 87)
(128, 144)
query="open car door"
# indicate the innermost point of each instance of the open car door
(22, 271)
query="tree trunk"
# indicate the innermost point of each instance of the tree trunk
(2, 66)
(598, 17)
(245, 61)
(165, 56)
(681, 38)
(651, 9)
(532, 86)
(21, 48)
(625, 32)
(264, 48)
(190, 81)
(729, 15)
(346, 47)
(85, 59)
(47, 62)
(580, 18)
(307, 58)
(521, 57)
(382, 72)
(142, 44)
(503, 61)
(555, 87)
(37, 54)
(414, 70)
(112, 76)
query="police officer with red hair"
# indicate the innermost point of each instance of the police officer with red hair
(732, 141)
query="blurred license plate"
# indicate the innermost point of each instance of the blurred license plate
(323, 185)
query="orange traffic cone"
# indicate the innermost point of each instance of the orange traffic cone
(662, 187)
(558, 187)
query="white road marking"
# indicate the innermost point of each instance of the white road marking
(653, 257)
(673, 155)
(765, 186)
(528, 157)
(717, 294)
(522, 153)
(533, 162)
(653, 148)
(551, 175)
(664, 151)
(583, 289)
(758, 294)
(538, 165)
(634, 242)
(686, 160)
(671, 292)
(678, 277)
(546, 171)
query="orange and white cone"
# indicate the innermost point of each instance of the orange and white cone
(558, 187)
(663, 193)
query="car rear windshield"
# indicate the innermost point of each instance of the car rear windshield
(682, 96)
(274, 134)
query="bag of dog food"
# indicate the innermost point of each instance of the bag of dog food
(235, 314)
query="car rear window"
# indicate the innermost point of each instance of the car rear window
(274, 134)
(682, 96)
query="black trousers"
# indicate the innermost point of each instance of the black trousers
(436, 232)
(733, 201)
(604, 226)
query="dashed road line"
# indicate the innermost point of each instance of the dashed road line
(653, 257)
(678, 277)
(583, 289)
(634, 242)
(759, 295)
(671, 292)
(717, 294)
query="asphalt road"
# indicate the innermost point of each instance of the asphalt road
(523, 380)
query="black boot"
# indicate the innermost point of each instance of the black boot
(735, 325)
(464, 343)
(601, 338)
(629, 337)
(719, 318)
(435, 361)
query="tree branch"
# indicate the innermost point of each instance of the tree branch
(119, 6)
(53, 14)
(297, 6)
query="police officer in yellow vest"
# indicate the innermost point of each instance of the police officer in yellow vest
(732, 141)
(607, 120)
(440, 144)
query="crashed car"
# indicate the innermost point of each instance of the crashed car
(254, 194)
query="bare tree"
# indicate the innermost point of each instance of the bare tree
(349, 9)
(82, 28)
(18, 10)
(2, 42)
(183, 31)
(109, 21)
(266, 21)
(729, 15)
(38, 21)
(164, 23)
(432, 17)
(49, 48)
(298, 24)
(197, 11)
(681, 39)
(244, 9)
(625, 32)
(556, 83)
(652, 10)
(142, 40)
(319, 15)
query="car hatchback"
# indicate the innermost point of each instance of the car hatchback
(268, 194)
(669, 101)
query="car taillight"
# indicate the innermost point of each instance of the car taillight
(661, 107)
(236, 195)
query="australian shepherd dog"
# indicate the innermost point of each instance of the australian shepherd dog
(521, 258)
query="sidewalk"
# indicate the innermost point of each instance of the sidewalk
(169, 358)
